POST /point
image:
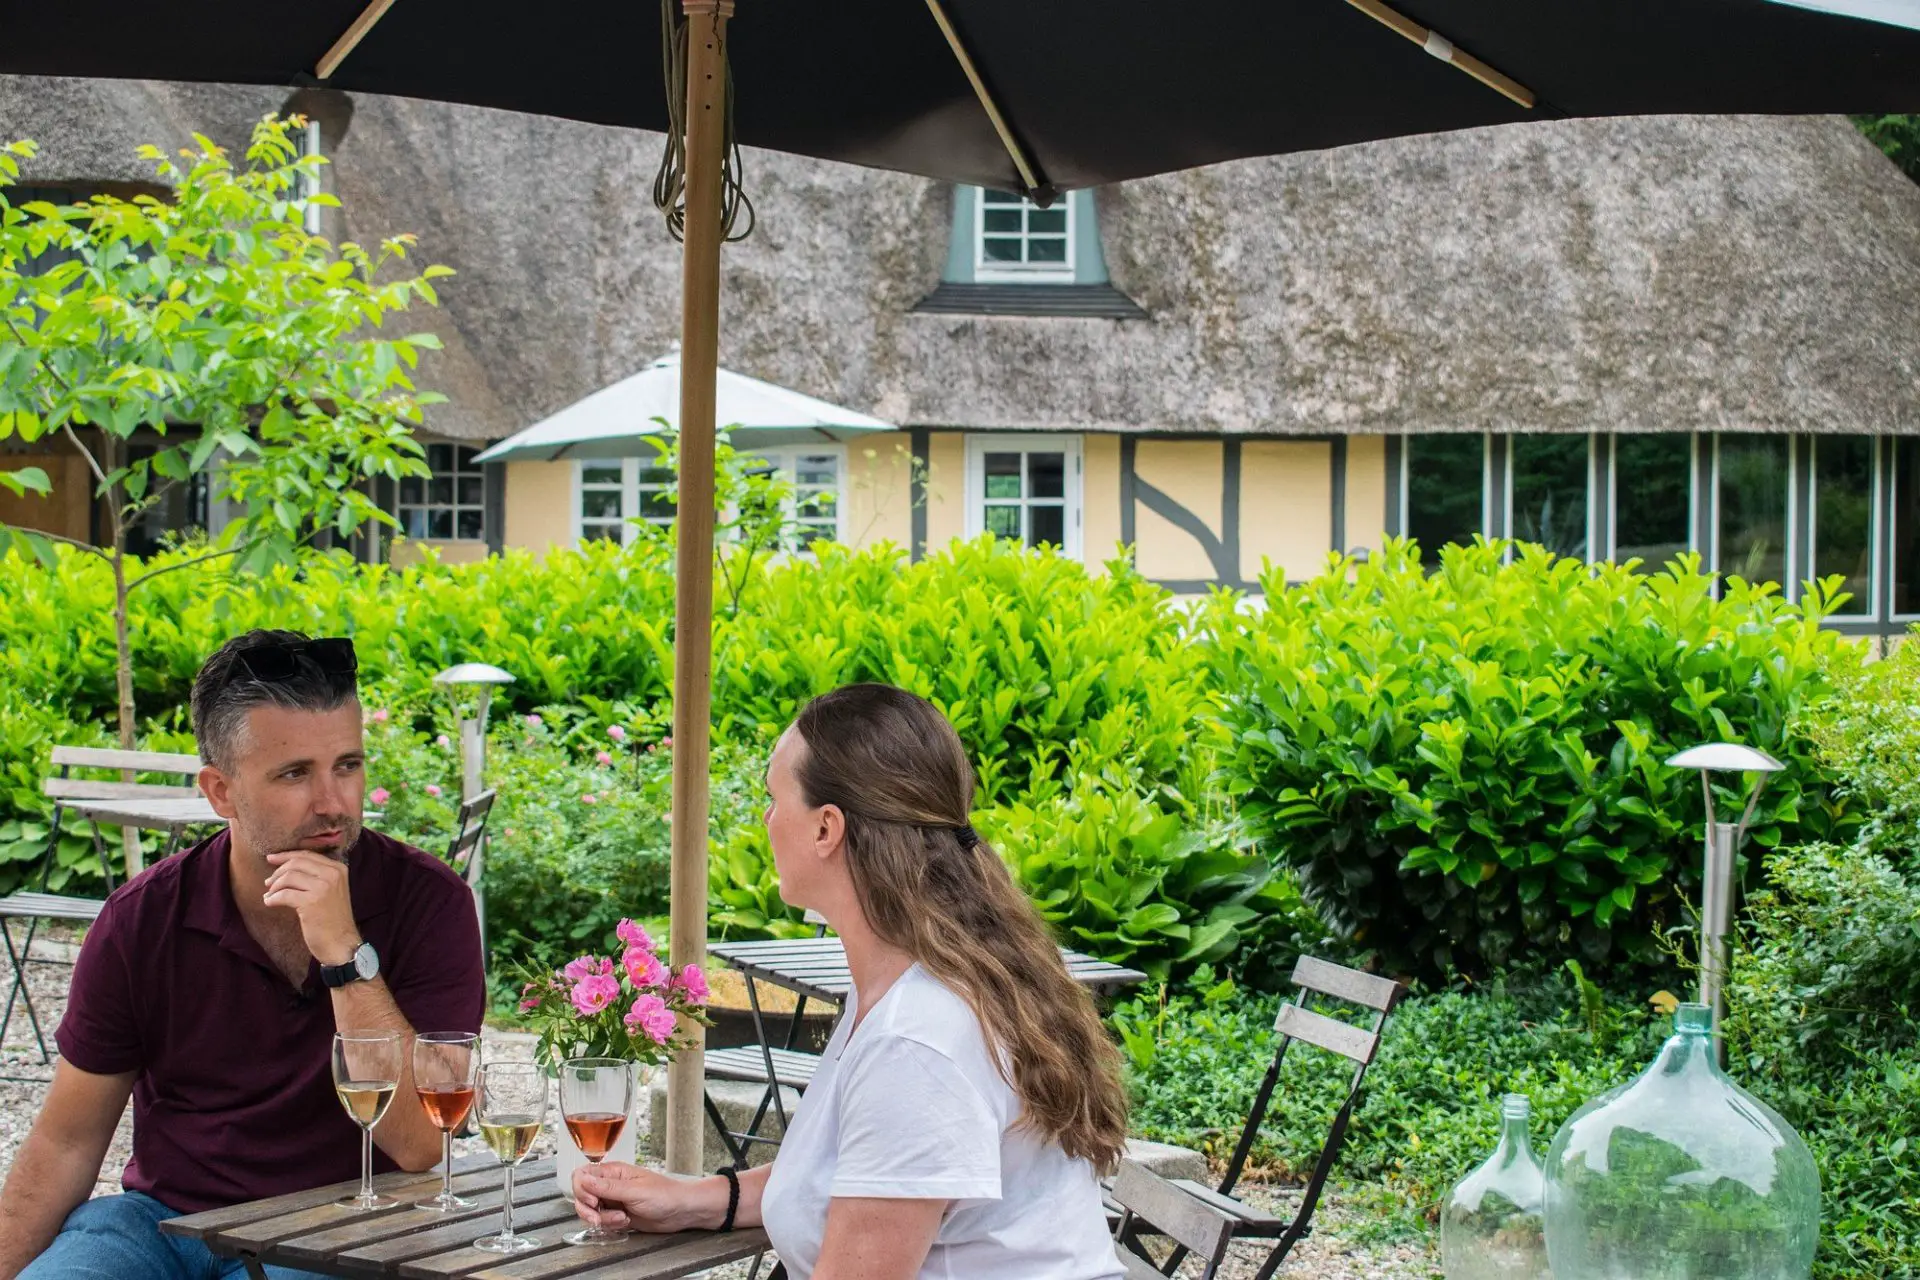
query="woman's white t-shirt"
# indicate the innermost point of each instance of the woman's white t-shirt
(911, 1107)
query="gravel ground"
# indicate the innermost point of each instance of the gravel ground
(1322, 1256)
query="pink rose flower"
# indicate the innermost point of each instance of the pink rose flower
(643, 968)
(635, 935)
(592, 994)
(589, 799)
(602, 757)
(666, 742)
(587, 967)
(380, 796)
(433, 788)
(650, 1016)
(694, 982)
(617, 733)
(533, 722)
(443, 741)
(380, 716)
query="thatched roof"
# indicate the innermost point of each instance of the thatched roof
(1658, 274)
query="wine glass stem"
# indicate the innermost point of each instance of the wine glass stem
(446, 1161)
(366, 1163)
(506, 1208)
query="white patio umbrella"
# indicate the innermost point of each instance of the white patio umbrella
(615, 421)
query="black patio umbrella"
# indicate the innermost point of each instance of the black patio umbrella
(1036, 96)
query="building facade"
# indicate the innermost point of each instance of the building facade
(1617, 337)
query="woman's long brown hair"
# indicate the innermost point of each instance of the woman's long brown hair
(894, 766)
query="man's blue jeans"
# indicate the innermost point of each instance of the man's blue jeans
(118, 1238)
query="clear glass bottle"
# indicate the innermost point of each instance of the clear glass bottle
(1681, 1175)
(1492, 1227)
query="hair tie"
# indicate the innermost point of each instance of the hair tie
(968, 836)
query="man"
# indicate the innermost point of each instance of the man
(211, 987)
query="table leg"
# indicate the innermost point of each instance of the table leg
(254, 1270)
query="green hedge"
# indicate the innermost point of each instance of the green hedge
(1455, 767)
(1465, 766)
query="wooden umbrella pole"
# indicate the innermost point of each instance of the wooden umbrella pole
(693, 588)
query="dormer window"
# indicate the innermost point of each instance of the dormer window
(1016, 241)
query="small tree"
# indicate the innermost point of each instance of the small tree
(212, 323)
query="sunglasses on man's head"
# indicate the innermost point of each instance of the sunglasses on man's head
(278, 663)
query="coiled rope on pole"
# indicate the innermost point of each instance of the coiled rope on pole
(670, 182)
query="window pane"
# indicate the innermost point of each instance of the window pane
(440, 489)
(1049, 525)
(472, 489)
(414, 522)
(1550, 492)
(1047, 250)
(1444, 476)
(821, 505)
(994, 249)
(440, 524)
(1906, 526)
(1001, 220)
(469, 525)
(600, 504)
(600, 474)
(464, 457)
(1046, 475)
(600, 532)
(817, 469)
(811, 531)
(1003, 475)
(1051, 222)
(413, 490)
(655, 506)
(1652, 488)
(1843, 516)
(656, 475)
(1002, 197)
(1753, 507)
(440, 457)
(1004, 522)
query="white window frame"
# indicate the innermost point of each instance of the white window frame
(979, 446)
(787, 457)
(455, 506)
(987, 272)
(630, 490)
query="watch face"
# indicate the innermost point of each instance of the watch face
(366, 963)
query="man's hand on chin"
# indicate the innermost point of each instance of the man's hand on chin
(314, 886)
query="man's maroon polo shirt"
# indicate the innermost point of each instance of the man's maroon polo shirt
(234, 1097)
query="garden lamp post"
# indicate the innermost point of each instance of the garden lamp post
(1722, 844)
(473, 752)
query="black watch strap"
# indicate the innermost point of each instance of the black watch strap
(733, 1195)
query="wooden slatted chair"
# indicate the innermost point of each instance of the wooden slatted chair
(1151, 1204)
(68, 792)
(1315, 980)
(464, 852)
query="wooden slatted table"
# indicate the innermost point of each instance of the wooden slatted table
(817, 967)
(311, 1231)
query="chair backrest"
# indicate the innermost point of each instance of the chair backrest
(1297, 1023)
(818, 921)
(66, 787)
(470, 826)
(1146, 1199)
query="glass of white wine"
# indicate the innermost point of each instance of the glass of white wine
(366, 1071)
(513, 1106)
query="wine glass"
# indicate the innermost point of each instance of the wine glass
(445, 1064)
(513, 1106)
(596, 1097)
(366, 1071)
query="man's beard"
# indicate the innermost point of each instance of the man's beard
(281, 840)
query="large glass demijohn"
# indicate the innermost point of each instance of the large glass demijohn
(1491, 1227)
(1681, 1175)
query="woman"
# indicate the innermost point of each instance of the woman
(969, 1093)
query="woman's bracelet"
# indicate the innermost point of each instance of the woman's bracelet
(733, 1195)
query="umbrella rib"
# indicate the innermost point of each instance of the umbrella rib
(346, 44)
(1442, 48)
(1028, 175)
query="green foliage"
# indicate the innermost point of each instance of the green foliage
(1868, 735)
(1898, 136)
(1466, 766)
(1821, 1023)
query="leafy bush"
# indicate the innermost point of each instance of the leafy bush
(1465, 767)
(1868, 734)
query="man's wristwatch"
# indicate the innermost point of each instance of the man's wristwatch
(363, 965)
